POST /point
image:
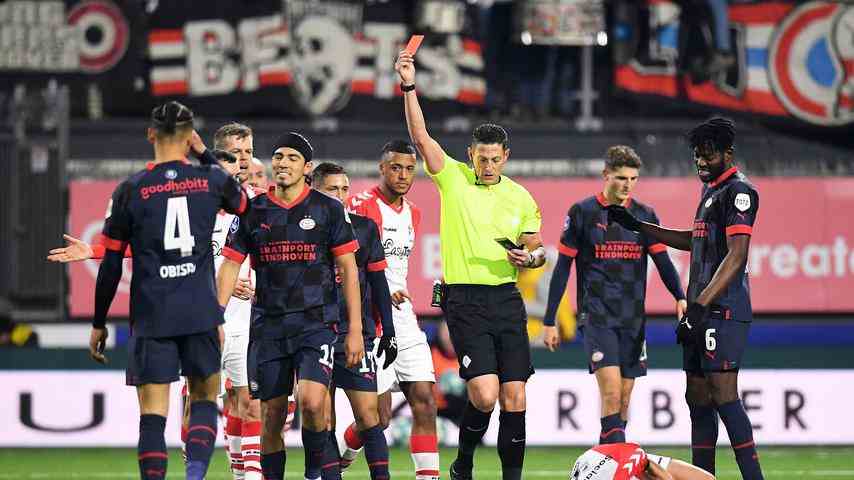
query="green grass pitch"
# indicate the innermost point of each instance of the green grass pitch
(540, 463)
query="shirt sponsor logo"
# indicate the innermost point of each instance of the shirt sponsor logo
(701, 230)
(189, 185)
(618, 251)
(285, 251)
(399, 251)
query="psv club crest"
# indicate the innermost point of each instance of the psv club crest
(811, 63)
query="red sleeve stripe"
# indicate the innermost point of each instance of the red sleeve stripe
(244, 201)
(657, 248)
(739, 230)
(113, 244)
(233, 255)
(346, 248)
(568, 251)
(377, 266)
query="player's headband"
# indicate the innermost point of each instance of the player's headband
(297, 142)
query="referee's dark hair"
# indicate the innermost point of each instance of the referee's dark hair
(490, 133)
(170, 119)
(397, 146)
(323, 170)
(716, 134)
(620, 156)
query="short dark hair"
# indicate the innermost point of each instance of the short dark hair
(620, 156)
(398, 146)
(223, 156)
(716, 133)
(323, 170)
(171, 118)
(490, 133)
(232, 129)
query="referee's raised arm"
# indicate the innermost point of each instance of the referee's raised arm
(430, 150)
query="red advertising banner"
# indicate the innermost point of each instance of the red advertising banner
(801, 254)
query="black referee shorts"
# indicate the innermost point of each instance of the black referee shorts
(489, 329)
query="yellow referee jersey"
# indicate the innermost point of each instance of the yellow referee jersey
(472, 217)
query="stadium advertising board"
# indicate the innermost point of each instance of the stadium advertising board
(801, 254)
(788, 407)
(266, 57)
(793, 59)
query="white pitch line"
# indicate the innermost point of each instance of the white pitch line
(489, 473)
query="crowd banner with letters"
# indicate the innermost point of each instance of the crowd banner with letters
(793, 60)
(295, 58)
(806, 266)
(790, 407)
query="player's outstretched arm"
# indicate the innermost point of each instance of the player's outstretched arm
(226, 279)
(429, 148)
(729, 269)
(354, 345)
(678, 239)
(557, 286)
(381, 298)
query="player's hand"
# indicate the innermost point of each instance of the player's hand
(75, 251)
(399, 297)
(97, 344)
(520, 258)
(618, 214)
(405, 67)
(354, 348)
(197, 146)
(388, 349)
(243, 289)
(550, 337)
(681, 308)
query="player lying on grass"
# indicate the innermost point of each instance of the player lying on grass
(628, 461)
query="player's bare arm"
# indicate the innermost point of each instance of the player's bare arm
(429, 148)
(226, 279)
(354, 345)
(533, 255)
(655, 472)
(678, 239)
(730, 268)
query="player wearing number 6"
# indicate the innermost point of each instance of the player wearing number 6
(713, 334)
(295, 238)
(166, 213)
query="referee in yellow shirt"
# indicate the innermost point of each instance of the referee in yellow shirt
(484, 310)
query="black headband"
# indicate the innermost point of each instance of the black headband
(297, 142)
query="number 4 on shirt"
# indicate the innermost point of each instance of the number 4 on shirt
(178, 218)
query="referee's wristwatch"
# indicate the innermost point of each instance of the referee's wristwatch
(530, 261)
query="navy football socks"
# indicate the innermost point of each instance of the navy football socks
(314, 444)
(741, 437)
(612, 430)
(201, 437)
(151, 449)
(704, 436)
(273, 465)
(376, 452)
(331, 468)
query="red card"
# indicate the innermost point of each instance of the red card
(414, 43)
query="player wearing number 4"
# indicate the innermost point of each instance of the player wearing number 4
(611, 268)
(166, 213)
(295, 238)
(713, 333)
